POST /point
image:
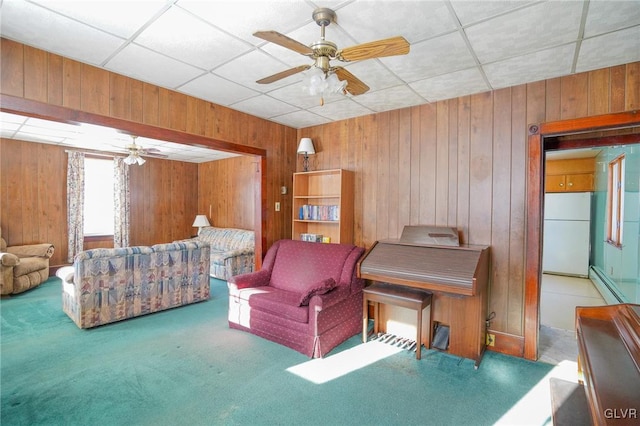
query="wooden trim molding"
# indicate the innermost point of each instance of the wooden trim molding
(45, 111)
(539, 134)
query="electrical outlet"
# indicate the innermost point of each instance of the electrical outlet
(277, 206)
(491, 339)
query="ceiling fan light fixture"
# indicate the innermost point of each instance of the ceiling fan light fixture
(323, 84)
(131, 159)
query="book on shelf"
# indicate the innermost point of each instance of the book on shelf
(321, 213)
(313, 238)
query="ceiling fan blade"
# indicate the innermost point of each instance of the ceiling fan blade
(284, 41)
(375, 49)
(152, 152)
(355, 86)
(283, 74)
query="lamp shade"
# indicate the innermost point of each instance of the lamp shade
(306, 146)
(201, 220)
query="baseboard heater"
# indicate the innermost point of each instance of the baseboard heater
(605, 286)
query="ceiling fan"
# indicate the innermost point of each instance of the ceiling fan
(323, 51)
(136, 152)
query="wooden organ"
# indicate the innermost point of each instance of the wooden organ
(457, 276)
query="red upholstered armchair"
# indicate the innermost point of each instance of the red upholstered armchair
(306, 296)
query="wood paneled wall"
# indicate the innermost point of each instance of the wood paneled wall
(33, 180)
(41, 76)
(460, 162)
(225, 191)
(463, 163)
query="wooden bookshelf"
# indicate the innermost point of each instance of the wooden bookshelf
(328, 195)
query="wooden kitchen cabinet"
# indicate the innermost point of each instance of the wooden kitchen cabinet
(575, 175)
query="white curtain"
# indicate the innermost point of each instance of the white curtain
(121, 203)
(75, 203)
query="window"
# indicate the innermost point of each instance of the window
(98, 197)
(615, 201)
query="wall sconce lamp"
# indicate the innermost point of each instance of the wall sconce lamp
(200, 222)
(306, 148)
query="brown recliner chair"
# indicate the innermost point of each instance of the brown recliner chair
(23, 267)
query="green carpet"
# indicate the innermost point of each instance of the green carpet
(185, 366)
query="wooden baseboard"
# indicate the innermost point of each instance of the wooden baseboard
(508, 344)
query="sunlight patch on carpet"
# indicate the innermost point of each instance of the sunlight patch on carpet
(323, 370)
(535, 405)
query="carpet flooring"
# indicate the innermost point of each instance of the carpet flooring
(185, 366)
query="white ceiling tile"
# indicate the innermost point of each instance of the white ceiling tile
(536, 27)
(121, 18)
(253, 66)
(433, 57)
(609, 15)
(7, 117)
(616, 48)
(374, 74)
(183, 36)
(453, 85)
(244, 17)
(339, 110)
(217, 90)
(515, 41)
(391, 98)
(146, 65)
(36, 26)
(263, 106)
(469, 12)
(368, 21)
(300, 119)
(535, 66)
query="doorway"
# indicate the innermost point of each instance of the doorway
(26, 107)
(551, 136)
(568, 219)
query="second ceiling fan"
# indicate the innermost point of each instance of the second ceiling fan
(323, 51)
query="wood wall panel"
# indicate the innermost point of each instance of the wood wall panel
(468, 168)
(482, 137)
(225, 191)
(89, 89)
(33, 183)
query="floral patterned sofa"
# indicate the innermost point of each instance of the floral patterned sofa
(108, 285)
(232, 250)
(307, 296)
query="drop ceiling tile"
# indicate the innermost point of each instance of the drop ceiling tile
(539, 26)
(469, 12)
(6, 117)
(38, 137)
(447, 53)
(535, 66)
(183, 36)
(295, 94)
(391, 98)
(121, 18)
(300, 119)
(605, 16)
(368, 21)
(253, 66)
(36, 26)
(620, 47)
(243, 18)
(146, 65)
(453, 85)
(374, 74)
(263, 106)
(217, 90)
(340, 110)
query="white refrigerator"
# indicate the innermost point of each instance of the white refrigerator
(566, 236)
